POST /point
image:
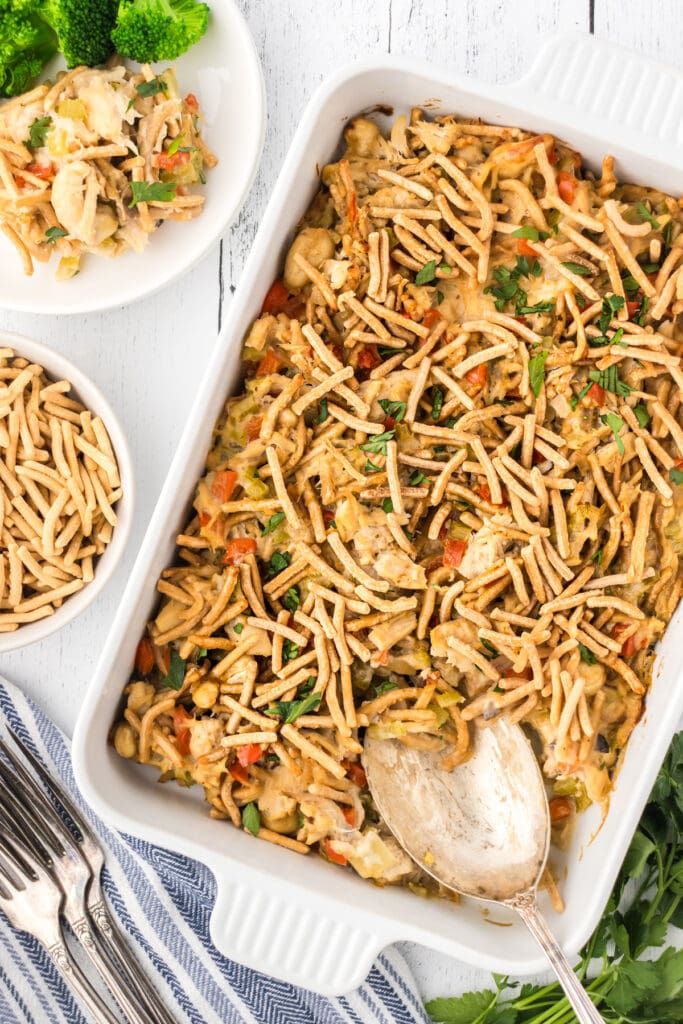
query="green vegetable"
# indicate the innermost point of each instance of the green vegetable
(610, 381)
(507, 289)
(289, 710)
(587, 655)
(636, 981)
(578, 268)
(52, 234)
(37, 132)
(387, 505)
(176, 671)
(384, 687)
(377, 443)
(540, 307)
(323, 414)
(279, 561)
(83, 29)
(440, 297)
(292, 599)
(370, 467)
(427, 274)
(615, 423)
(642, 415)
(238, 627)
(645, 214)
(153, 30)
(151, 88)
(152, 192)
(307, 686)
(537, 371)
(530, 232)
(251, 818)
(417, 478)
(676, 476)
(396, 410)
(27, 43)
(611, 304)
(290, 651)
(272, 523)
(437, 401)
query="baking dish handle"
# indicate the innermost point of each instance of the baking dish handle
(275, 932)
(632, 98)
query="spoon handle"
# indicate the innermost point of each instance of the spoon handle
(526, 906)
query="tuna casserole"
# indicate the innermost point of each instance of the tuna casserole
(450, 490)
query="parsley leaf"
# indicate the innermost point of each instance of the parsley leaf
(615, 423)
(292, 600)
(279, 561)
(251, 818)
(417, 478)
(52, 234)
(587, 655)
(37, 132)
(537, 371)
(151, 88)
(645, 215)
(642, 415)
(370, 467)
(387, 505)
(272, 523)
(323, 414)
(427, 274)
(676, 476)
(437, 401)
(530, 232)
(577, 268)
(377, 443)
(152, 192)
(611, 304)
(289, 710)
(290, 650)
(176, 671)
(440, 297)
(396, 410)
(384, 687)
(238, 627)
(609, 380)
(540, 307)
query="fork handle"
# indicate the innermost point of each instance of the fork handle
(129, 969)
(79, 985)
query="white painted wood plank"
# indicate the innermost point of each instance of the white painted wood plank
(653, 29)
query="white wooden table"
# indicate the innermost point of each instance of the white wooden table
(149, 358)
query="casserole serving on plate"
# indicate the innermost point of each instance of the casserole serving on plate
(265, 936)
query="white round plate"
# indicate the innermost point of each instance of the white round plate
(224, 72)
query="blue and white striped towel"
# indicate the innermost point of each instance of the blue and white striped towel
(163, 902)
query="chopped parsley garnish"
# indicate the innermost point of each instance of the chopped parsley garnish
(587, 655)
(667, 234)
(645, 215)
(540, 307)
(445, 267)
(437, 401)
(396, 410)
(490, 651)
(292, 600)
(384, 687)
(507, 289)
(377, 443)
(417, 478)
(251, 818)
(440, 297)
(630, 284)
(37, 132)
(676, 476)
(615, 423)
(238, 627)
(152, 192)
(530, 232)
(427, 274)
(272, 523)
(176, 671)
(641, 311)
(289, 710)
(642, 415)
(290, 651)
(577, 268)
(370, 467)
(611, 304)
(537, 371)
(387, 505)
(323, 414)
(279, 561)
(52, 234)
(151, 88)
(307, 686)
(609, 380)
(597, 557)
(202, 652)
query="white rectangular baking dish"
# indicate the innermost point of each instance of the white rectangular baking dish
(299, 918)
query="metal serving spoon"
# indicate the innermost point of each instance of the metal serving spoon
(484, 827)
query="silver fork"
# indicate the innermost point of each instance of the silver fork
(32, 901)
(77, 862)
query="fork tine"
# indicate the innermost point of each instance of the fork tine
(29, 824)
(54, 788)
(53, 836)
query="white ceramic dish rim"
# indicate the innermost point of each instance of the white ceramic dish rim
(59, 368)
(108, 284)
(274, 927)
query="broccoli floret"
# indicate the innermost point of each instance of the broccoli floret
(26, 46)
(152, 30)
(83, 28)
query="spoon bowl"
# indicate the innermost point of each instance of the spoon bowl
(482, 829)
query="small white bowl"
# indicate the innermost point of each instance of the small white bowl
(58, 368)
(224, 72)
